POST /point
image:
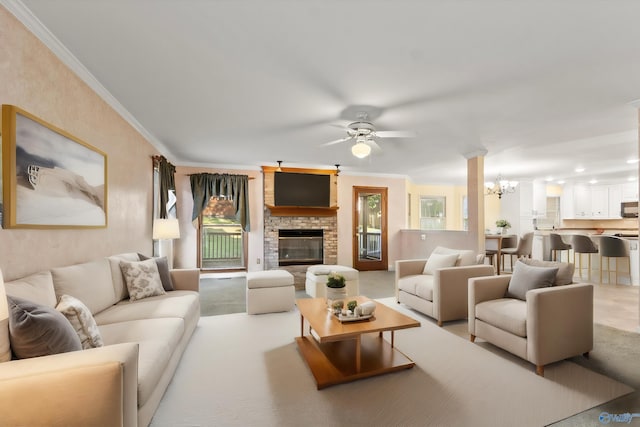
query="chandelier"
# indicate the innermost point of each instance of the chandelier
(501, 186)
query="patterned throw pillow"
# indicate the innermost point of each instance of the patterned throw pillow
(142, 279)
(37, 330)
(82, 321)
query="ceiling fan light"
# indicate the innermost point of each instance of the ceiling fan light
(361, 150)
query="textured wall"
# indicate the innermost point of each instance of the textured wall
(32, 78)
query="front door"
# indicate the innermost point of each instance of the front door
(370, 228)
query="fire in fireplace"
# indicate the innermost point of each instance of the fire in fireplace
(300, 247)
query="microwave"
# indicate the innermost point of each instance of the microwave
(629, 210)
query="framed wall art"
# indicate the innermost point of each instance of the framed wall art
(51, 179)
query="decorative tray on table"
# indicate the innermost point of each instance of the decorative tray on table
(346, 318)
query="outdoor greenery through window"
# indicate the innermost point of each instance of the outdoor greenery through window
(432, 213)
(221, 236)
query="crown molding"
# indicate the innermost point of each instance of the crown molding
(33, 24)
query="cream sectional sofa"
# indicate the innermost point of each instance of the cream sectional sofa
(120, 383)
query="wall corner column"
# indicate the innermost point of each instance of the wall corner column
(475, 199)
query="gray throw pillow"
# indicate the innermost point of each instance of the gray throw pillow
(565, 269)
(163, 270)
(526, 278)
(37, 330)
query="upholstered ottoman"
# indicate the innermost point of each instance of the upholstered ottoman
(270, 291)
(317, 279)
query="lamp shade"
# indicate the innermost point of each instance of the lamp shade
(360, 150)
(166, 228)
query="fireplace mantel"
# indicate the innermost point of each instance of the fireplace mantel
(302, 211)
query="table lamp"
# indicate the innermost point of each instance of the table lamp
(164, 231)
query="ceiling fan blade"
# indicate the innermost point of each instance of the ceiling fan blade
(396, 134)
(338, 125)
(374, 145)
(337, 141)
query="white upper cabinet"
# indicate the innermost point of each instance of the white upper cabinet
(583, 201)
(615, 199)
(600, 201)
(630, 192)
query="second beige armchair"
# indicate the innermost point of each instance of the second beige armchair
(437, 286)
(542, 325)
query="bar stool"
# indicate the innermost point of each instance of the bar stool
(583, 245)
(557, 244)
(525, 245)
(613, 247)
(490, 253)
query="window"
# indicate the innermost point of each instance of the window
(432, 213)
(552, 215)
(465, 213)
(221, 237)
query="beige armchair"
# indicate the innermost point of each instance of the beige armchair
(551, 324)
(439, 292)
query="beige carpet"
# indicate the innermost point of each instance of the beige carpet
(242, 370)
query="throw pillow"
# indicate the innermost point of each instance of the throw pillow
(565, 270)
(437, 261)
(82, 321)
(37, 330)
(526, 278)
(142, 279)
(163, 270)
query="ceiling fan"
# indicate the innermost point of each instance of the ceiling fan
(364, 133)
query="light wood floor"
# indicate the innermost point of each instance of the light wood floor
(616, 306)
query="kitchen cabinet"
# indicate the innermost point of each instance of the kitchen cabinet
(581, 201)
(591, 201)
(630, 192)
(615, 199)
(599, 201)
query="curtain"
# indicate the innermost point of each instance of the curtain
(167, 183)
(204, 186)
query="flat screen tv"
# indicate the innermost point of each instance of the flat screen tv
(302, 189)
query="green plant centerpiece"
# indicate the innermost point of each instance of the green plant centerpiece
(503, 225)
(335, 281)
(351, 305)
(336, 288)
(338, 306)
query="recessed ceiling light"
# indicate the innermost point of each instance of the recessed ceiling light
(593, 181)
(562, 181)
(579, 169)
(632, 178)
(631, 161)
(549, 179)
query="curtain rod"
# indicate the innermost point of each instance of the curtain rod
(230, 174)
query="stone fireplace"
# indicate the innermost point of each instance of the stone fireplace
(297, 220)
(273, 225)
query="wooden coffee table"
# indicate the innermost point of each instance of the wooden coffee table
(341, 352)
